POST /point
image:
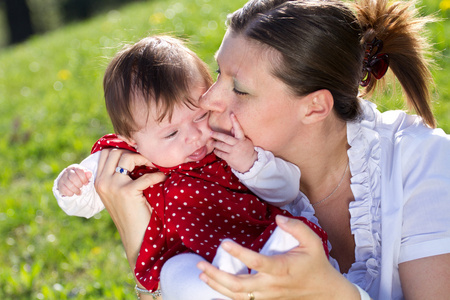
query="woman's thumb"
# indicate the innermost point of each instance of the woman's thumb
(149, 179)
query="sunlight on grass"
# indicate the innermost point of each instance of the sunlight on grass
(52, 110)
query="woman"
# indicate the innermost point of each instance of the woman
(379, 183)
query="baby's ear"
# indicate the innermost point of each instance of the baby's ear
(129, 141)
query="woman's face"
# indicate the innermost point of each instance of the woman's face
(264, 106)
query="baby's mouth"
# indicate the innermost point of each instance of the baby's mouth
(198, 154)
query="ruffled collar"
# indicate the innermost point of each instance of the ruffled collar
(365, 216)
(365, 212)
(364, 159)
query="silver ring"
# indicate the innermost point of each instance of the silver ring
(251, 296)
(122, 171)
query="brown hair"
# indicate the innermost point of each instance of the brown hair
(322, 43)
(159, 68)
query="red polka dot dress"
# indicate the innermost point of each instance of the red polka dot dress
(200, 204)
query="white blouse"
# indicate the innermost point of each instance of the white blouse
(401, 183)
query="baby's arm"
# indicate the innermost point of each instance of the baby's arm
(270, 178)
(74, 189)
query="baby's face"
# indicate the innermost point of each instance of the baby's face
(186, 138)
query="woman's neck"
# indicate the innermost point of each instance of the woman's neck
(322, 158)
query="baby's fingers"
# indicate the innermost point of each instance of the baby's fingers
(224, 138)
(79, 176)
(238, 132)
(69, 189)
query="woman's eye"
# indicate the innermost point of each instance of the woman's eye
(202, 117)
(237, 92)
(171, 135)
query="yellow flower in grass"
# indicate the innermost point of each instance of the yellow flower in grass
(64, 74)
(157, 18)
(96, 250)
(444, 5)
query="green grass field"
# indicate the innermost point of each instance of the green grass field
(51, 112)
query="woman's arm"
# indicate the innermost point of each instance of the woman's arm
(123, 198)
(426, 278)
(302, 273)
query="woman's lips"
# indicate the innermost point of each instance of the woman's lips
(199, 154)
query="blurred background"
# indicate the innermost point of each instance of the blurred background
(52, 57)
(20, 19)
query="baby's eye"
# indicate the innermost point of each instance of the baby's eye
(171, 135)
(202, 117)
(237, 92)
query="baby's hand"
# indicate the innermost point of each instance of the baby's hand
(237, 151)
(72, 180)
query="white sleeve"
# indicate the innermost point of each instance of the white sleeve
(426, 208)
(88, 203)
(272, 179)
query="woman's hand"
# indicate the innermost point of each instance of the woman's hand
(302, 273)
(123, 197)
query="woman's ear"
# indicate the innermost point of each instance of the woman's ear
(129, 141)
(319, 105)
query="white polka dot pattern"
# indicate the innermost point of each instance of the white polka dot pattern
(199, 205)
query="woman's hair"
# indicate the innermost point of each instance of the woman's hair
(322, 45)
(159, 69)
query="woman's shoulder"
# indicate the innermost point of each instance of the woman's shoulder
(398, 127)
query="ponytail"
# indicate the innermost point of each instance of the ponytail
(400, 29)
(325, 44)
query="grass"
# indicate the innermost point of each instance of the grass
(52, 111)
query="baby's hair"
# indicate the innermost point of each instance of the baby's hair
(158, 69)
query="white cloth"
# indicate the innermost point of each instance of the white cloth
(401, 183)
(88, 203)
(270, 178)
(180, 275)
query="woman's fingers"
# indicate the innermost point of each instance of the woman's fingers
(147, 180)
(130, 160)
(227, 284)
(211, 274)
(307, 238)
(252, 259)
(109, 160)
(278, 276)
(239, 286)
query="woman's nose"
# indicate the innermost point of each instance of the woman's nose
(211, 100)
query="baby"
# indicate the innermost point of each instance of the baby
(151, 92)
